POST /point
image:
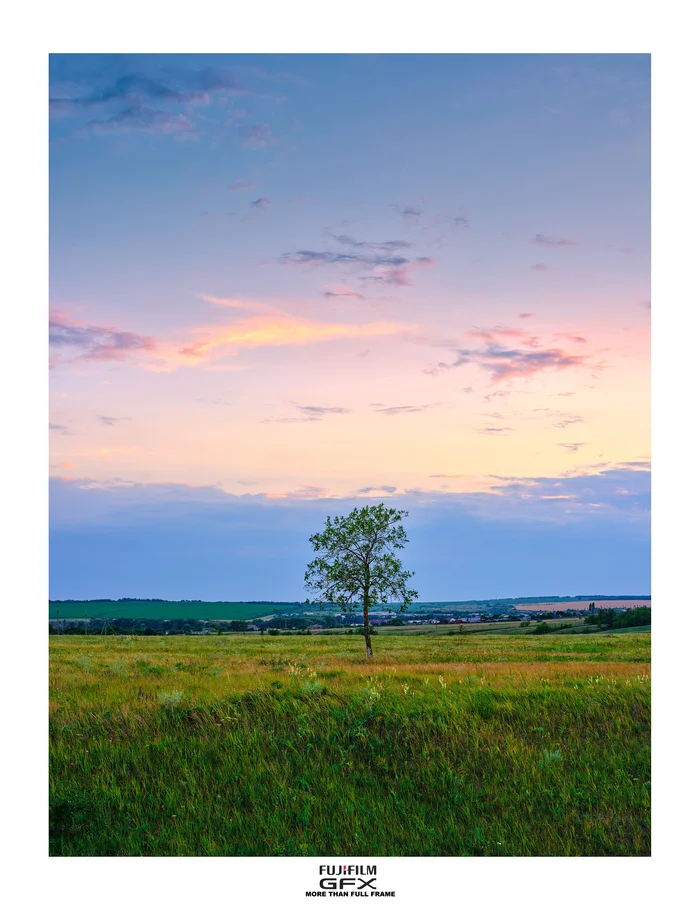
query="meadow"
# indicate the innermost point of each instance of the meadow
(443, 745)
(162, 609)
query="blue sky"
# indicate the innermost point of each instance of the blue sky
(285, 285)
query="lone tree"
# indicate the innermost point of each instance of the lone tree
(357, 564)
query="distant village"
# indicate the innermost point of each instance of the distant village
(310, 621)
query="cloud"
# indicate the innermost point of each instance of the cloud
(145, 102)
(541, 267)
(342, 290)
(571, 446)
(328, 257)
(263, 326)
(387, 246)
(610, 484)
(270, 327)
(185, 541)
(619, 487)
(382, 489)
(503, 331)
(307, 492)
(238, 185)
(541, 240)
(565, 420)
(381, 260)
(315, 411)
(398, 276)
(525, 315)
(576, 339)
(60, 428)
(256, 135)
(133, 87)
(494, 431)
(290, 420)
(144, 119)
(411, 212)
(110, 421)
(93, 342)
(508, 363)
(261, 203)
(190, 86)
(312, 414)
(401, 409)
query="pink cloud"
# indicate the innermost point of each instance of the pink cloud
(505, 362)
(502, 331)
(576, 339)
(269, 326)
(92, 342)
(342, 290)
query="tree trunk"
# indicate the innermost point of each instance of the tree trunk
(368, 640)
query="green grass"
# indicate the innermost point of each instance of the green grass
(149, 609)
(513, 745)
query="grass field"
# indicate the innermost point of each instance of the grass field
(205, 610)
(483, 745)
(160, 609)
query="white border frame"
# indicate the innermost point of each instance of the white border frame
(614, 26)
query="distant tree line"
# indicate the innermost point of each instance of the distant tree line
(128, 626)
(123, 626)
(620, 619)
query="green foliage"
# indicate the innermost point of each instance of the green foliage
(357, 565)
(620, 619)
(542, 628)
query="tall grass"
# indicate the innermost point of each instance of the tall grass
(512, 746)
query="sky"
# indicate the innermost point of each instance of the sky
(283, 286)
